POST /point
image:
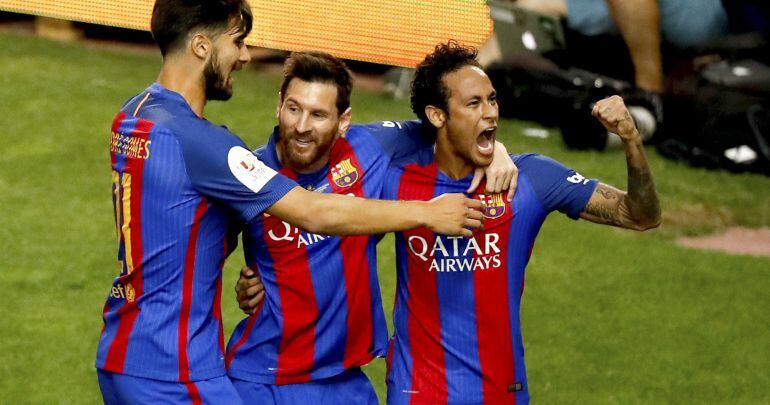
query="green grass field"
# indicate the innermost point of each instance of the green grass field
(609, 316)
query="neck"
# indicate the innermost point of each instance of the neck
(449, 161)
(183, 78)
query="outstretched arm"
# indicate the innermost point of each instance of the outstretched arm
(638, 208)
(333, 214)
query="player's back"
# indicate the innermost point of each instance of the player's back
(162, 317)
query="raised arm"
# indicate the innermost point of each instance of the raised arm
(638, 208)
(333, 214)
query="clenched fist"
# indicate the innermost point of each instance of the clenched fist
(614, 115)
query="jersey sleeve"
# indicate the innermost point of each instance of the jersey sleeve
(558, 187)
(400, 139)
(224, 170)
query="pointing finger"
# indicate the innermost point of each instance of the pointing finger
(478, 174)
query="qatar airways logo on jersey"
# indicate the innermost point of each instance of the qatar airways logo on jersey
(456, 253)
(292, 234)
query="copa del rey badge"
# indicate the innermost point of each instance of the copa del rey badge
(495, 205)
(344, 174)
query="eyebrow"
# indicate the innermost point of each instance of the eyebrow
(303, 105)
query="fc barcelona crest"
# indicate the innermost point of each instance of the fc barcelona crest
(495, 205)
(344, 174)
(130, 293)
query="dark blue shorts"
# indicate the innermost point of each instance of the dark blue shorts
(126, 389)
(350, 387)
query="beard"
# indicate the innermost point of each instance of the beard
(216, 83)
(302, 162)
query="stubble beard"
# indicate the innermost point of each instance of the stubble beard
(216, 83)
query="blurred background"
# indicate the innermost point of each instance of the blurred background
(674, 315)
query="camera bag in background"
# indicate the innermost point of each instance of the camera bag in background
(531, 87)
(720, 118)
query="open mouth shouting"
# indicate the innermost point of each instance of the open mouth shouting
(485, 142)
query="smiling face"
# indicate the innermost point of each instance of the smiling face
(229, 54)
(471, 117)
(308, 124)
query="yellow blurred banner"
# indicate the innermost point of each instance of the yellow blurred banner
(394, 32)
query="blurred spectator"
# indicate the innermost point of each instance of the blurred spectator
(643, 25)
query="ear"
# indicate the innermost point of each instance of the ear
(345, 121)
(435, 115)
(280, 104)
(201, 46)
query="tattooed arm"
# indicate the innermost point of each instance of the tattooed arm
(638, 208)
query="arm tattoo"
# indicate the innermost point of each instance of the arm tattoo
(636, 209)
(605, 210)
(642, 198)
(608, 194)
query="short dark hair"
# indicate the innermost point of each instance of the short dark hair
(428, 87)
(173, 20)
(319, 67)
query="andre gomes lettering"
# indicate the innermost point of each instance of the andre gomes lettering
(132, 147)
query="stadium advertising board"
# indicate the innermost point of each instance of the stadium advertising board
(394, 32)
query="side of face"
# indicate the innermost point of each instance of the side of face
(309, 124)
(228, 54)
(470, 124)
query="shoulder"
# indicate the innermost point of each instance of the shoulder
(534, 165)
(532, 160)
(396, 129)
(208, 149)
(360, 134)
(380, 126)
(543, 172)
(202, 135)
(359, 142)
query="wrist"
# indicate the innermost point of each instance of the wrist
(421, 212)
(632, 138)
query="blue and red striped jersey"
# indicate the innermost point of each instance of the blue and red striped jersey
(322, 312)
(179, 183)
(456, 317)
